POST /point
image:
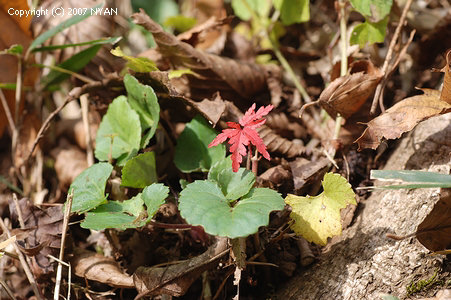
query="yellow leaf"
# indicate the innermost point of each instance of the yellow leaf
(317, 218)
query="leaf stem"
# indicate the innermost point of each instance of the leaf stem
(249, 157)
(255, 160)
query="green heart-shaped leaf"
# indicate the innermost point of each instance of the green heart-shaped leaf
(203, 203)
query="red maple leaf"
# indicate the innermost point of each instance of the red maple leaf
(241, 136)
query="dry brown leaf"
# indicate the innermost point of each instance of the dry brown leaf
(218, 73)
(176, 279)
(345, 95)
(402, 117)
(286, 126)
(446, 91)
(275, 177)
(93, 266)
(44, 233)
(305, 171)
(275, 89)
(435, 230)
(70, 161)
(210, 35)
(213, 108)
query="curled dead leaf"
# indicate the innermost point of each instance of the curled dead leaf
(345, 95)
(32, 251)
(402, 117)
(435, 231)
(446, 91)
(227, 75)
(93, 266)
(212, 107)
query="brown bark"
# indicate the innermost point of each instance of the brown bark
(363, 263)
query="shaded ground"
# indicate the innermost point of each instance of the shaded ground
(223, 53)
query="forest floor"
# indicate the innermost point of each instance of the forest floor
(127, 124)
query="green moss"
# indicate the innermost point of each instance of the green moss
(426, 284)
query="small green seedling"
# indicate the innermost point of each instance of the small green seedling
(227, 204)
(127, 127)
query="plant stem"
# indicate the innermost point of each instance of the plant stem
(344, 63)
(249, 157)
(290, 72)
(344, 41)
(285, 65)
(255, 160)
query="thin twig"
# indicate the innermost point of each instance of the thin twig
(15, 136)
(73, 95)
(63, 241)
(402, 52)
(261, 263)
(221, 286)
(18, 88)
(378, 93)
(384, 81)
(9, 116)
(19, 211)
(254, 160)
(7, 289)
(69, 273)
(46, 124)
(23, 262)
(87, 128)
(344, 40)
